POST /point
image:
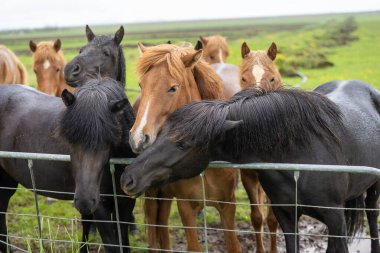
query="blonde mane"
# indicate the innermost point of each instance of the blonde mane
(208, 82)
(45, 51)
(12, 71)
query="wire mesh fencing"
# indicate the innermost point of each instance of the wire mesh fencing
(46, 238)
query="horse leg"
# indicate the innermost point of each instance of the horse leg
(371, 202)
(126, 206)
(251, 185)
(272, 225)
(107, 229)
(227, 216)
(86, 224)
(188, 216)
(287, 224)
(336, 224)
(5, 195)
(163, 219)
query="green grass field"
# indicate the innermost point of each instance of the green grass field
(357, 60)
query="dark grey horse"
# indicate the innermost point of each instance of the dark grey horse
(93, 126)
(102, 56)
(285, 126)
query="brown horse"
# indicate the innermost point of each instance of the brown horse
(215, 52)
(171, 76)
(257, 69)
(48, 64)
(12, 71)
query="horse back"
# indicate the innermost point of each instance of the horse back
(230, 76)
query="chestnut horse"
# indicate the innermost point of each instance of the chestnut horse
(257, 69)
(48, 65)
(12, 71)
(215, 52)
(172, 76)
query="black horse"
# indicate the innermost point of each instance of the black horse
(102, 56)
(288, 126)
(92, 127)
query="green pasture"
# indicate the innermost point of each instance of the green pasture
(302, 36)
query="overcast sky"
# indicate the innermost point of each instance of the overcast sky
(42, 13)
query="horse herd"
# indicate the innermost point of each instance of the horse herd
(193, 108)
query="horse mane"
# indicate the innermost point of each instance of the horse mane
(89, 122)
(274, 123)
(208, 82)
(10, 66)
(45, 51)
(121, 75)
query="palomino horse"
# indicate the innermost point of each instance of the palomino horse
(215, 52)
(171, 76)
(12, 71)
(48, 65)
(31, 121)
(257, 69)
(281, 126)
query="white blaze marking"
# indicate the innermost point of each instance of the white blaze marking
(220, 56)
(258, 73)
(143, 121)
(46, 64)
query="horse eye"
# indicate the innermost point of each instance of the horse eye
(173, 88)
(106, 53)
(243, 79)
(212, 57)
(181, 146)
(272, 80)
(57, 70)
(35, 71)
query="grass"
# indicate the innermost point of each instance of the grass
(357, 60)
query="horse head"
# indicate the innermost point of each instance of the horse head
(102, 56)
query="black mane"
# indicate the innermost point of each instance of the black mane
(273, 122)
(89, 122)
(102, 39)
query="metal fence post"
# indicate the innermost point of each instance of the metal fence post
(112, 169)
(30, 166)
(296, 177)
(204, 211)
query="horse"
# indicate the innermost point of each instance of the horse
(12, 71)
(171, 76)
(257, 69)
(48, 65)
(338, 123)
(77, 127)
(102, 56)
(215, 52)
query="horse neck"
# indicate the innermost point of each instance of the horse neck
(120, 68)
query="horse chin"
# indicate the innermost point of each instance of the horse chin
(72, 82)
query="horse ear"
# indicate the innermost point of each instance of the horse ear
(199, 45)
(119, 35)
(231, 124)
(244, 50)
(32, 46)
(141, 47)
(272, 51)
(190, 60)
(67, 97)
(118, 105)
(204, 40)
(89, 34)
(57, 45)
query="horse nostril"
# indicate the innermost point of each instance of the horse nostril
(146, 139)
(76, 70)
